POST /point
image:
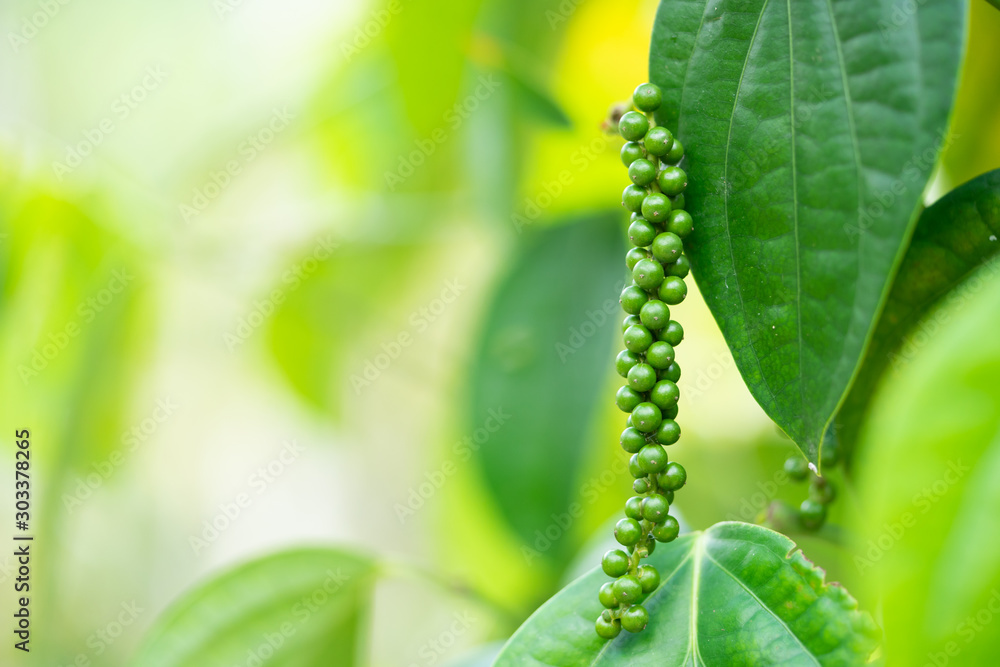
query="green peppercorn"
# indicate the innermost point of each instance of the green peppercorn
(660, 354)
(666, 531)
(652, 458)
(646, 417)
(627, 398)
(679, 223)
(672, 289)
(615, 563)
(632, 440)
(641, 233)
(676, 153)
(640, 486)
(673, 333)
(677, 202)
(648, 274)
(633, 126)
(667, 247)
(671, 372)
(608, 629)
(655, 508)
(633, 256)
(673, 476)
(628, 531)
(664, 393)
(633, 507)
(812, 513)
(632, 151)
(607, 596)
(630, 321)
(668, 432)
(632, 198)
(655, 207)
(654, 314)
(642, 377)
(670, 412)
(658, 141)
(637, 338)
(647, 97)
(627, 589)
(680, 268)
(672, 181)
(633, 467)
(797, 468)
(649, 578)
(635, 618)
(821, 490)
(633, 298)
(625, 361)
(642, 172)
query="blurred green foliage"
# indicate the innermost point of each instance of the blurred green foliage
(560, 66)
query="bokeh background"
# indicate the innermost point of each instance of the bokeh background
(295, 253)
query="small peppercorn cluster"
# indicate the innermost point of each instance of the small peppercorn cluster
(658, 227)
(813, 510)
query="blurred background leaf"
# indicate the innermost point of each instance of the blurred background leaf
(305, 607)
(542, 359)
(953, 238)
(929, 461)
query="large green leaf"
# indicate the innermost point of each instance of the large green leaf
(954, 237)
(928, 484)
(541, 366)
(811, 130)
(302, 608)
(732, 595)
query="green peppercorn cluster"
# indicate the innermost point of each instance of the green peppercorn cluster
(813, 510)
(657, 230)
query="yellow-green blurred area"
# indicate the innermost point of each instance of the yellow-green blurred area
(260, 267)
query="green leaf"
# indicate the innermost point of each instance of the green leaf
(303, 607)
(543, 359)
(732, 595)
(930, 456)
(953, 238)
(811, 130)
